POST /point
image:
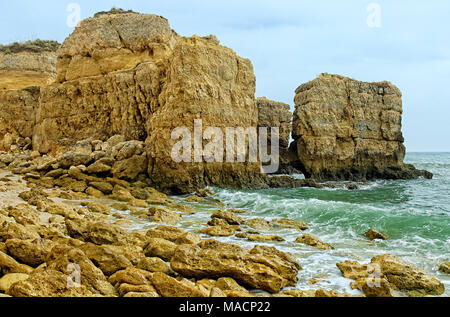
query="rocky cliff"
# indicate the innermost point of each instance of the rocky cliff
(277, 114)
(131, 74)
(350, 130)
(210, 82)
(109, 77)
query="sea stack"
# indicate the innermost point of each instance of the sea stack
(350, 130)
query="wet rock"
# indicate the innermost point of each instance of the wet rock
(205, 192)
(314, 241)
(165, 232)
(194, 199)
(30, 252)
(132, 276)
(374, 287)
(160, 214)
(130, 168)
(259, 224)
(291, 224)
(121, 194)
(188, 238)
(219, 231)
(68, 260)
(265, 238)
(401, 276)
(12, 230)
(262, 267)
(445, 267)
(373, 234)
(98, 208)
(406, 277)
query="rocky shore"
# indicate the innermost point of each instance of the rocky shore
(85, 141)
(51, 230)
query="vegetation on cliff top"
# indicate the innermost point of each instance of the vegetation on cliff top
(36, 46)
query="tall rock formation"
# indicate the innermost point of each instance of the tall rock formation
(109, 76)
(350, 130)
(131, 74)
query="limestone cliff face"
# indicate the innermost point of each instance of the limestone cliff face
(131, 74)
(27, 64)
(352, 130)
(17, 115)
(210, 82)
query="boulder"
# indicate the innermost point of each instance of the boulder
(390, 271)
(229, 217)
(130, 168)
(259, 224)
(373, 234)
(132, 276)
(160, 214)
(8, 280)
(165, 232)
(160, 248)
(445, 267)
(407, 277)
(71, 261)
(30, 252)
(314, 241)
(265, 238)
(261, 268)
(290, 224)
(154, 265)
(48, 283)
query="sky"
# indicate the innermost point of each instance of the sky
(290, 42)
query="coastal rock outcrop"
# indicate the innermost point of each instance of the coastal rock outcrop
(131, 74)
(387, 273)
(350, 130)
(262, 267)
(32, 63)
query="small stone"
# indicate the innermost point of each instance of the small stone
(373, 234)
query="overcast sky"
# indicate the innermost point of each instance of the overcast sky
(292, 41)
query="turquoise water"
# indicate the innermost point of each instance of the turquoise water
(415, 214)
